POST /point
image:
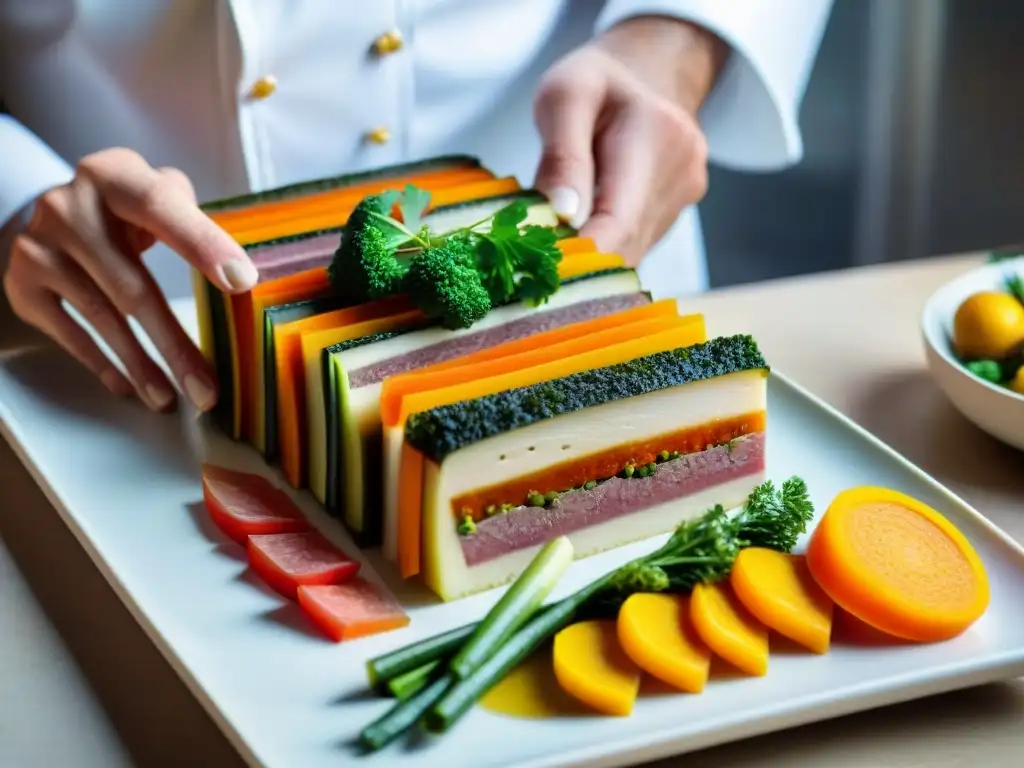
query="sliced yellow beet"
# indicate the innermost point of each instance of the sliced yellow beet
(778, 589)
(729, 629)
(410, 520)
(657, 633)
(578, 264)
(591, 666)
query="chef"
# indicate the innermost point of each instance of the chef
(121, 114)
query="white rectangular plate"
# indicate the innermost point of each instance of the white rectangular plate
(127, 483)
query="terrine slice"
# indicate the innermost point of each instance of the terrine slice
(605, 457)
(351, 457)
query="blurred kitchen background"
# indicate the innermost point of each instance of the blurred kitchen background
(913, 128)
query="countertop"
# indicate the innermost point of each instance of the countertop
(81, 685)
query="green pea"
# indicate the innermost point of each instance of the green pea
(989, 370)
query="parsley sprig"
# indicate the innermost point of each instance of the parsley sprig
(516, 261)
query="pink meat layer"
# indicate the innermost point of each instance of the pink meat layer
(531, 324)
(527, 526)
(283, 259)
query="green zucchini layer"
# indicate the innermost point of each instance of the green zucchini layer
(337, 182)
(273, 317)
(223, 411)
(440, 431)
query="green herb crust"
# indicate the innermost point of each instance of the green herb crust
(440, 431)
(337, 182)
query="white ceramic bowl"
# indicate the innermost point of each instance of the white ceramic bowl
(997, 410)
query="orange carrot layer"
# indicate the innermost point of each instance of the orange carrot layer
(332, 217)
(410, 511)
(239, 219)
(477, 190)
(573, 245)
(542, 348)
(302, 285)
(656, 309)
(898, 565)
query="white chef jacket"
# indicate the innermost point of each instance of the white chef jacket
(185, 83)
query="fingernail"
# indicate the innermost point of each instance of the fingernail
(199, 392)
(114, 382)
(566, 202)
(240, 275)
(159, 397)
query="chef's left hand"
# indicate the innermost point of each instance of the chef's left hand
(623, 151)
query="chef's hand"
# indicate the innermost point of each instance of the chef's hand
(623, 151)
(83, 245)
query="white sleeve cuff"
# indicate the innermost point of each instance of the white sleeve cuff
(751, 116)
(28, 167)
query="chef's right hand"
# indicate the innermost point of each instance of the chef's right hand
(83, 245)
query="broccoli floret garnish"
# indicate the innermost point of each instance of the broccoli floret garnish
(366, 265)
(455, 277)
(445, 285)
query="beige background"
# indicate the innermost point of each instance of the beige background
(81, 686)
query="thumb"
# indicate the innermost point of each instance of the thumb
(566, 114)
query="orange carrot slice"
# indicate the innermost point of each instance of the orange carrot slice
(898, 565)
(356, 608)
(591, 666)
(778, 589)
(729, 629)
(657, 633)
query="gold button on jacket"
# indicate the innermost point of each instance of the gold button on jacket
(379, 135)
(263, 87)
(387, 43)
